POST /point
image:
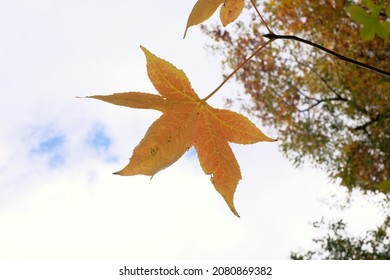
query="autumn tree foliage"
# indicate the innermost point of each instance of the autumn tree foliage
(324, 110)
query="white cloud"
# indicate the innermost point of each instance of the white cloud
(56, 50)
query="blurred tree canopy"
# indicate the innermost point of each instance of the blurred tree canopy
(326, 111)
(338, 244)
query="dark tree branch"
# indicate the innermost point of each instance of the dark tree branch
(273, 36)
(321, 101)
(326, 83)
(372, 121)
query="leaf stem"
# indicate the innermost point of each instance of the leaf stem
(238, 68)
(273, 36)
(262, 19)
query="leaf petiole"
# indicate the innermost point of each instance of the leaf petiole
(238, 68)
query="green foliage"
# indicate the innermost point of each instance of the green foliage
(337, 244)
(371, 22)
(384, 186)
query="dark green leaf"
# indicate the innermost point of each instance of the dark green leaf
(384, 186)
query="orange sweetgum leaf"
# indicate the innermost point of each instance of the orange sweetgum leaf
(204, 9)
(186, 121)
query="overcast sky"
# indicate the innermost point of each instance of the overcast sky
(58, 197)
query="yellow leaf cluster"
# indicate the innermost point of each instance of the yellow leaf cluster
(204, 9)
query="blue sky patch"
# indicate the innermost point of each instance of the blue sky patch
(191, 153)
(52, 147)
(50, 144)
(98, 139)
(99, 142)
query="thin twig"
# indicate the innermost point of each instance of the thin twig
(321, 101)
(262, 19)
(238, 68)
(273, 36)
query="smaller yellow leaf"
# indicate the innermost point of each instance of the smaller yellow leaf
(202, 10)
(231, 10)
